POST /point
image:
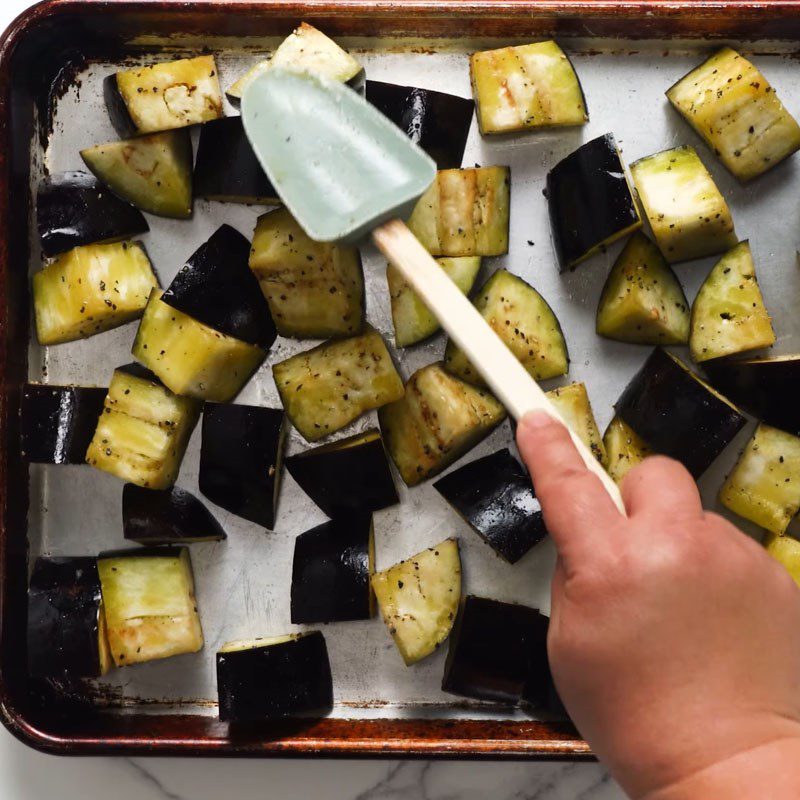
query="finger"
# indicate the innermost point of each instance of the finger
(661, 488)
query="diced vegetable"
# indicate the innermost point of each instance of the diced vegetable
(437, 421)
(527, 86)
(327, 387)
(728, 314)
(688, 215)
(521, 317)
(465, 212)
(314, 289)
(786, 550)
(733, 107)
(642, 300)
(572, 402)
(624, 449)
(91, 289)
(419, 599)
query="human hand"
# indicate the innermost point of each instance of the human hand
(674, 638)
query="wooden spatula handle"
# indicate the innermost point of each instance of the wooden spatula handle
(506, 377)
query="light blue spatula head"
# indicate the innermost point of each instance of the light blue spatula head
(339, 165)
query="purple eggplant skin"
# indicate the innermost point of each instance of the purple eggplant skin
(174, 516)
(74, 209)
(676, 414)
(118, 113)
(217, 287)
(275, 681)
(495, 496)
(58, 422)
(438, 122)
(64, 603)
(241, 459)
(331, 572)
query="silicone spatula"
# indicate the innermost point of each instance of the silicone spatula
(346, 172)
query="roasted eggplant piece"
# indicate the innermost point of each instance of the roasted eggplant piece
(327, 387)
(164, 96)
(306, 50)
(786, 550)
(764, 486)
(524, 321)
(642, 301)
(241, 459)
(227, 169)
(331, 572)
(73, 209)
(173, 516)
(527, 86)
(494, 650)
(590, 201)
(191, 358)
(495, 497)
(315, 290)
(419, 599)
(347, 477)
(733, 107)
(153, 173)
(142, 434)
(438, 420)
(687, 213)
(624, 449)
(276, 677)
(438, 122)
(413, 322)
(572, 402)
(728, 314)
(464, 212)
(151, 611)
(58, 422)
(677, 413)
(66, 621)
(91, 289)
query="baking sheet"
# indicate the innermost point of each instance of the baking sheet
(243, 584)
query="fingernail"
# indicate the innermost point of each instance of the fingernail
(536, 419)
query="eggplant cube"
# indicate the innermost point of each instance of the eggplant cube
(150, 605)
(274, 678)
(785, 550)
(624, 449)
(331, 572)
(572, 402)
(241, 459)
(495, 497)
(142, 434)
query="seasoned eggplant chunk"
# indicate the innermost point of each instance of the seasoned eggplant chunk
(164, 96)
(524, 321)
(315, 290)
(331, 572)
(241, 459)
(58, 422)
(419, 599)
(572, 402)
(786, 550)
(66, 621)
(494, 649)
(438, 122)
(527, 86)
(438, 420)
(642, 300)
(91, 289)
(764, 487)
(327, 387)
(347, 477)
(677, 413)
(173, 516)
(733, 107)
(590, 201)
(687, 213)
(465, 212)
(624, 449)
(728, 314)
(142, 434)
(151, 611)
(73, 209)
(154, 173)
(227, 169)
(494, 496)
(276, 677)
